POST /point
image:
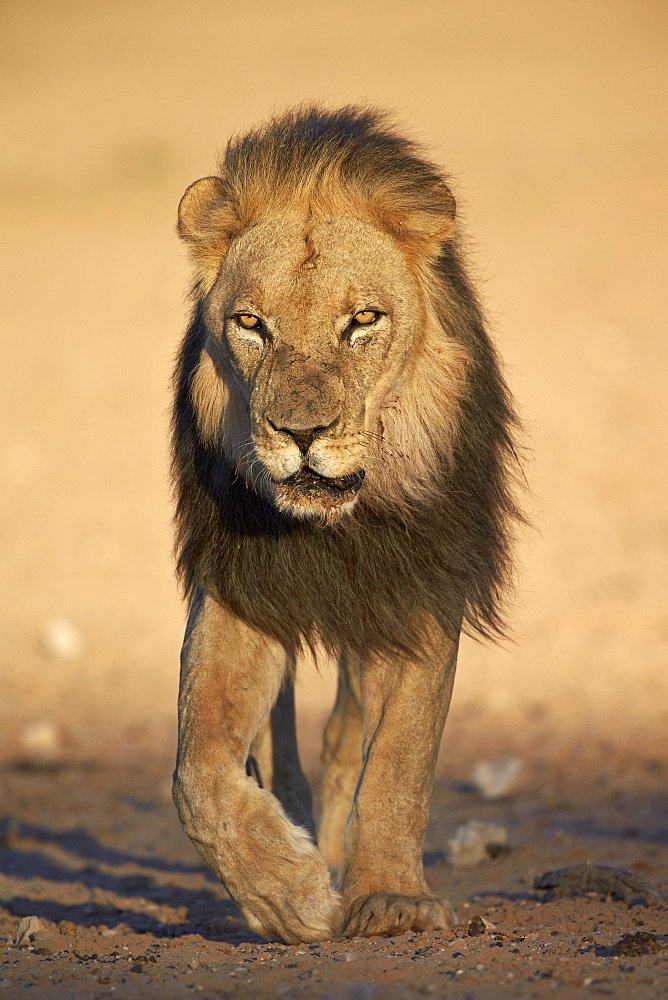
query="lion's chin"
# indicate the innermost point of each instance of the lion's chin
(308, 495)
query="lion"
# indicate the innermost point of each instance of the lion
(343, 465)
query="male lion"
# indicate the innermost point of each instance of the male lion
(342, 435)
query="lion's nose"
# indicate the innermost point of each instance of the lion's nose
(302, 436)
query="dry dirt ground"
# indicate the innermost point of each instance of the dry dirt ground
(551, 118)
(95, 851)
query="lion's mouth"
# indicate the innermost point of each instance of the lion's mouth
(308, 484)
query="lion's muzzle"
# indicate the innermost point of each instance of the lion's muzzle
(314, 469)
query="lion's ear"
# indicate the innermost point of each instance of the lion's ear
(422, 219)
(207, 221)
(443, 207)
(197, 209)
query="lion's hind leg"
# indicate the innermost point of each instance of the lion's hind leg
(230, 678)
(342, 760)
(274, 760)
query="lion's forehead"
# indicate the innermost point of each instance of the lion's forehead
(327, 266)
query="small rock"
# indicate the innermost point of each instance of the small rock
(476, 926)
(496, 778)
(118, 929)
(137, 967)
(68, 928)
(41, 742)
(640, 943)
(600, 880)
(61, 640)
(27, 926)
(475, 842)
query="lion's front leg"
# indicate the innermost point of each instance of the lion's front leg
(382, 879)
(230, 679)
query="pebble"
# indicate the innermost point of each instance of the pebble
(61, 640)
(476, 926)
(41, 741)
(495, 779)
(471, 843)
(640, 943)
(27, 926)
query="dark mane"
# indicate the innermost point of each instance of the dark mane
(371, 581)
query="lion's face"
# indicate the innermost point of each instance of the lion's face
(311, 326)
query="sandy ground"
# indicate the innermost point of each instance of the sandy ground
(551, 119)
(98, 855)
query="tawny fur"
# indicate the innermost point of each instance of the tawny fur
(436, 507)
(315, 217)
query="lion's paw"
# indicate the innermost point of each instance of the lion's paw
(303, 908)
(388, 913)
(276, 875)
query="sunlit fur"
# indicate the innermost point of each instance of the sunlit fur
(429, 535)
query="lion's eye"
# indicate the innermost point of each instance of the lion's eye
(249, 322)
(366, 317)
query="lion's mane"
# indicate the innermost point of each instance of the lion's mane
(438, 548)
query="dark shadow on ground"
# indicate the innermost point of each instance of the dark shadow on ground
(80, 841)
(207, 911)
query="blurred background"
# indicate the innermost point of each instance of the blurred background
(551, 120)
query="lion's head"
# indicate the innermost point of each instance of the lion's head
(337, 370)
(325, 374)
